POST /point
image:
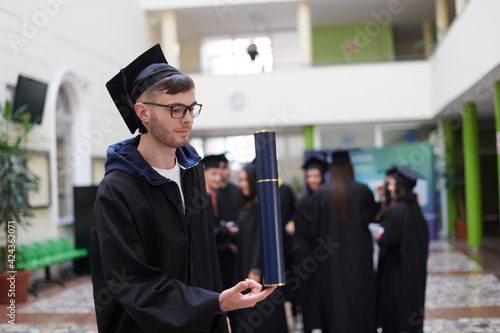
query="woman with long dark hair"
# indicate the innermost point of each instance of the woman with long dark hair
(402, 266)
(341, 265)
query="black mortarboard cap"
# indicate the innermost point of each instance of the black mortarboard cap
(406, 175)
(340, 157)
(223, 158)
(315, 162)
(126, 86)
(211, 161)
(390, 170)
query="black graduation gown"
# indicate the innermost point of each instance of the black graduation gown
(264, 317)
(287, 202)
(402, 269)
(302, 248)
(229, 203)
(154, 266)
(337, 276)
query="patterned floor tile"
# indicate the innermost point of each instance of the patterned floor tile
(47, 328)
(450, 262)
(452, 291)
(440, 245)
(449, 288)
(78, 299)
(464, 325)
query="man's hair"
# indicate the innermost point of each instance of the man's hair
(171, 85)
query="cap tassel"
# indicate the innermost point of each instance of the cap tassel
(131, 104)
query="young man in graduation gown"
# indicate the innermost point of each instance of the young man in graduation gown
(339, 273)
(153, 258)
(402, 266)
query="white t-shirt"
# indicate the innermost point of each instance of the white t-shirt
(173, 174)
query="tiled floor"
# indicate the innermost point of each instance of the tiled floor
(463, 288)
(463, 295)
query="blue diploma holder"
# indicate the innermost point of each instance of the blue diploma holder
(273, 266)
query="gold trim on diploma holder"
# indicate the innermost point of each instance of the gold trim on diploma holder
(263, 131)
(274, 285)
(267, 180)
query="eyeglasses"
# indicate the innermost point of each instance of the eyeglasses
(178, 111)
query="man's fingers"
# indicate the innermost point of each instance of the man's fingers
(255, 298)
(269, 291)
(254, 286)
(241, 286)
(232, 299)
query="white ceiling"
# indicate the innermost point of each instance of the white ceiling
(236, 17)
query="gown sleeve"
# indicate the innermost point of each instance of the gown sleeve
(155, 301)
(393, 225)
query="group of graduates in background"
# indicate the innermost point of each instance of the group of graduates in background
(329, 235)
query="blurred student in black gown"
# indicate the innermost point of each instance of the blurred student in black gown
(229, 197)
(249, 262)
(402, 266)
(287, 203)
(384, 195)
(340, 270)
(224, 230)
(314, 170)
(229, 203)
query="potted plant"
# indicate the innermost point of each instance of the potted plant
(16, 182)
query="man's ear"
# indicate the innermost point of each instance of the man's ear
(142, 112)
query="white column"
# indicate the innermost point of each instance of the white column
(459, 6)
(379, 136)
(316, 138)
(169, 42)
(439, 151)
(304, 33)
(427, 37)
(442, 19)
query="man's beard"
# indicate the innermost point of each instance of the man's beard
(165, 136)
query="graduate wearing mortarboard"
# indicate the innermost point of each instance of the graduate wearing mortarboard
(315, 168)
(229, 197)
(340, 292)
(154, 264)
(402, 266)
(384, 196)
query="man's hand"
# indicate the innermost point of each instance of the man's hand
(232, 298)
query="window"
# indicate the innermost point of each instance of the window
(226, 56)
(64, 120)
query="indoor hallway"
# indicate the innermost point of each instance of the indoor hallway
(463, 295)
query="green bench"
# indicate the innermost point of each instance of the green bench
(44, 254)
